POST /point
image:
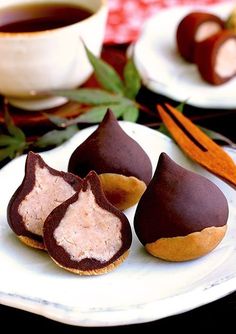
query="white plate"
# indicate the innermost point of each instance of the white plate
(141, 289)
(165, 72)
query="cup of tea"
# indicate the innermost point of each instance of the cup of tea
(42, 47)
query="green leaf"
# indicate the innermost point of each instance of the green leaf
(105, 74)
(56, 120)
(56, 137)
(12, 129)
(132, 79)
(217, 136)
(7, 140)
(7, 152)
(181, 106)
(131, 113)
(89, 96)
(96, 114)
(12, 150)
(162, 128)
(13, 143)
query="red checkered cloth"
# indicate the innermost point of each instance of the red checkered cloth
(126, 17)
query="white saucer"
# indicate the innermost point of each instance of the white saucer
(142, 288)
(163, 70)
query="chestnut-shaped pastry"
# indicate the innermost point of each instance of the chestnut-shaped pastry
(42, 189)
(216, 57)
(182, 215)
(123, 166)
(194, 28)
(86, 234)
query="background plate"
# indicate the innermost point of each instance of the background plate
(142, 289)
(165, 72)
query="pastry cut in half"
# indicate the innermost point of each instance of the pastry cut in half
(86, 234)
(194, 28)
(216, 57)
(123, 166)
(182, 215)
(42, 189)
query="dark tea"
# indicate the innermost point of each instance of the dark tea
(39, 17)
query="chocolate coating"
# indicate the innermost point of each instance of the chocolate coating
(178, 202)
(110, 150)
(59, 254)
(187, 30)
(206, 53)
(15, 220)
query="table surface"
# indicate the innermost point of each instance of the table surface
(213, 316)
(217, 315)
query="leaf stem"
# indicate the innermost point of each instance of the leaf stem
(144, 108)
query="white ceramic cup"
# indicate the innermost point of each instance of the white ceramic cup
(51, 59)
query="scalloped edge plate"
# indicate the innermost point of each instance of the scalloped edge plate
(141, 289)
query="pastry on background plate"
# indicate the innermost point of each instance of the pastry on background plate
(194, 28)
(216, 57)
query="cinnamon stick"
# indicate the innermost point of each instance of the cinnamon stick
(197, 145)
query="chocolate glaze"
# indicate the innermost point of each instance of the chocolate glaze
(178, 202)
(110, 150)
(59, 254)
(205, 55)
(187, 29)
(15, 220)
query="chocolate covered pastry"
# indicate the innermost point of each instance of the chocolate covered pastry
(194, 28)
(182, 215)
(123, 166)
(42, 189)
(216, 57)
(86, 234)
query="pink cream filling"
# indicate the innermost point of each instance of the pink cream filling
(89, 231)
(49, 191)
(206, 30)
(225, 64)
